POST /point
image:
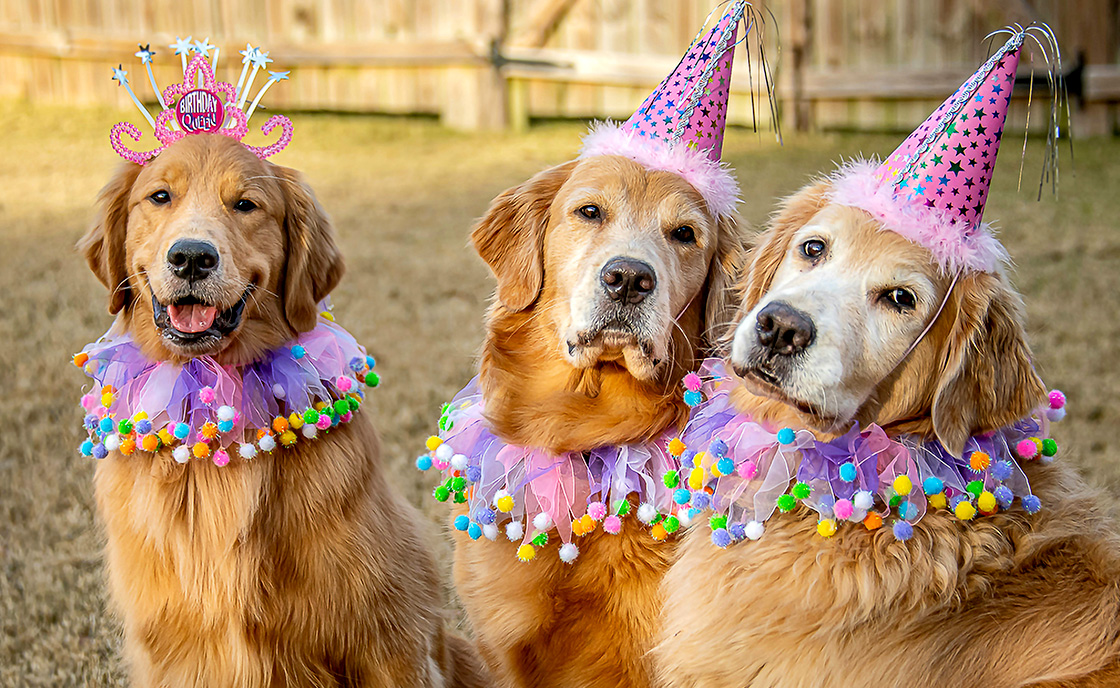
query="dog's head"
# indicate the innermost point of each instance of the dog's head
(608, 256)
(209, 250)
(832, 305)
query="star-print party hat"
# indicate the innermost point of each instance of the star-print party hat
(679, 127)
(201, 104)
(933, 187)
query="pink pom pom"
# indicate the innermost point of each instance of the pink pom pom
(748, 470)
(597, 510)
(343, 383)
(88, 402)
(1057, 399)
(692, 382)
(843, 509)
(221, 458)
(346, 417)
(612, 524)
(206, 395)
(1026, 449)
(440, 464)
(324, 422)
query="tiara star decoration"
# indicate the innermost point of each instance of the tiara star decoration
(201, 104)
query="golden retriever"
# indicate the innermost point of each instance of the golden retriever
(609, 276)
(282, 570)
(1005, 600)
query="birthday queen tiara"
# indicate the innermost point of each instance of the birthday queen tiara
(201, 104)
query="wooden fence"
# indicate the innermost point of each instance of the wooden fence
(857, 64)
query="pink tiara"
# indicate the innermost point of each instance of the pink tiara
(201, 104)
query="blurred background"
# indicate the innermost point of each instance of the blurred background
(410, 117)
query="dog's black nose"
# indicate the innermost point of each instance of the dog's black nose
(627, 280)
(192, 259)
(783, 329)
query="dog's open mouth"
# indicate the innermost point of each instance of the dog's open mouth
(190, 322)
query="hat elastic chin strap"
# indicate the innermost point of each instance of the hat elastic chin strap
(929, 326)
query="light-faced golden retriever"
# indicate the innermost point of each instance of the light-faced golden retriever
(282, 570)
(832, 302)
(610, 277)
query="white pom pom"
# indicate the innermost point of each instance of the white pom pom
(754, 530)
(267, 443)
(181, 454)
(459, 462)
(278, 391)
(444, 452)
(568, 552)
(226, 413)
(490, 531)
(542, 522)
(1056, 415)
(863, 500)
(684, 517)
(309, 430)
(247, 451)
(514, 530)
(647, 512)
(112, 442)
(858, 515)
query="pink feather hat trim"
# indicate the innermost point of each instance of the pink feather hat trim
(857, 184)
(709, 177)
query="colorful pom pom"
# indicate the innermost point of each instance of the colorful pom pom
(692, 398)
(902, 485)
(207, 395)
(692, 382)
(461, 522)
(786, 436)
(514, 531)
(423, 462)
(526, 553)
(105, 424)
(932, 485)
(474, 531)
(247, 451)
(1049, 447)
(863, 500)
(112, 442)
(987, 503)
(754, 530)
(441, 493)
(787, 502)
(298, 352)
(1004, 496)
(1026, 449)
(700, 500)
(597, 510)
(568, 552)
(144, 426)
(748, 470)
(873, 521)
(725, 466)
(201, 450)
(974, 488)
(647, 513)
(721, 538)
(288, 438)
(696, 478)
(979, 461)
(128, 446)
(209, 430)
(902, 530)
(718, 448)
(181, 431)
(676, 446)
(658, 532)
(801, 490)
(504, 503)
(1057, 399)
(826, 527)
(848, 472)
(490, 531)
(671, 479)
(433, 442)
(80, 359)
(612, 524)
(149, 443)
(1056, 415)
(221, 458)
(937, 501)
(542, 521)
(1032, 504)
(843, 509)
(672, 524)
(86, 448)
(458, 461)
(267, 443)
(964, 510)
(1001, 470)
(181, 454)
(99, 451)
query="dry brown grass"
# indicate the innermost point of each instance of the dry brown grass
(403, 194)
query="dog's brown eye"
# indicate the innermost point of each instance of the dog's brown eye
(900, 299)
(591, 212)
(813, 248)
(244, 205)
(160, 197)
(685, 235)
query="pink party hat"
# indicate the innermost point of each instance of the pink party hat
(201, 104)
(932, 188)
(679, 127)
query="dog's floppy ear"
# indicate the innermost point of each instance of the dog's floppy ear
(315, 264)
(723, 272)
(510, 237)
(987, 379)
(103, 244)
(792, 214)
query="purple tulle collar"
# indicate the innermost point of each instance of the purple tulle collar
(744, 471)
(204, 410)
(533, 493)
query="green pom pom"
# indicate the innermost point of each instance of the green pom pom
(310, 416)
(445, 408)
(341, 406)
(717, 522)
(445, 423)
(125, 426)
(787, 502)
(540, 539)
(441, 493)
(622, 507)
(801, 491)
(894, 501)
(458, 483)
(974, 488)
(672, 479)
(460, 497)
(373, 379)
(672, 524)
(1049, 447)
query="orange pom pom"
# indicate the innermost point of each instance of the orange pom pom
(209, 430)
(873, 521)
(149, 443)
(128, 446)
(261, 432)
(676, 446)
(80, 359)
(979, 461)
(201, 450)
(587, 523)
(658, 532)
(577, 527)
(279, 424)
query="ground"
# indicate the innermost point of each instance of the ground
(403, 194)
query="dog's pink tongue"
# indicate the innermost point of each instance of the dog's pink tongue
(192, 318)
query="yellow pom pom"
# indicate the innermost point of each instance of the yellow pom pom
(696, 478)
(716, 472)
(327, 315)
(140, 415)
(1037, 443)
(149, 443)
(938, 501)
(987, 502)
(432, 443)
(201, 450)
(295, 421)
(505, 504)
(965, 511)
(979, 461)
(698, 460)
(826, 527)
(107, 399)
(165, 436)
(903, 485)
(287, 438)
(676, 446)
(526, 552)
(320, 405)
(658, 532)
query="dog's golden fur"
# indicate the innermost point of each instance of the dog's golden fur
(1002, 601)
(547, 623)
(300, 567)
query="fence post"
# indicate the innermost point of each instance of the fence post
(475, 97)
